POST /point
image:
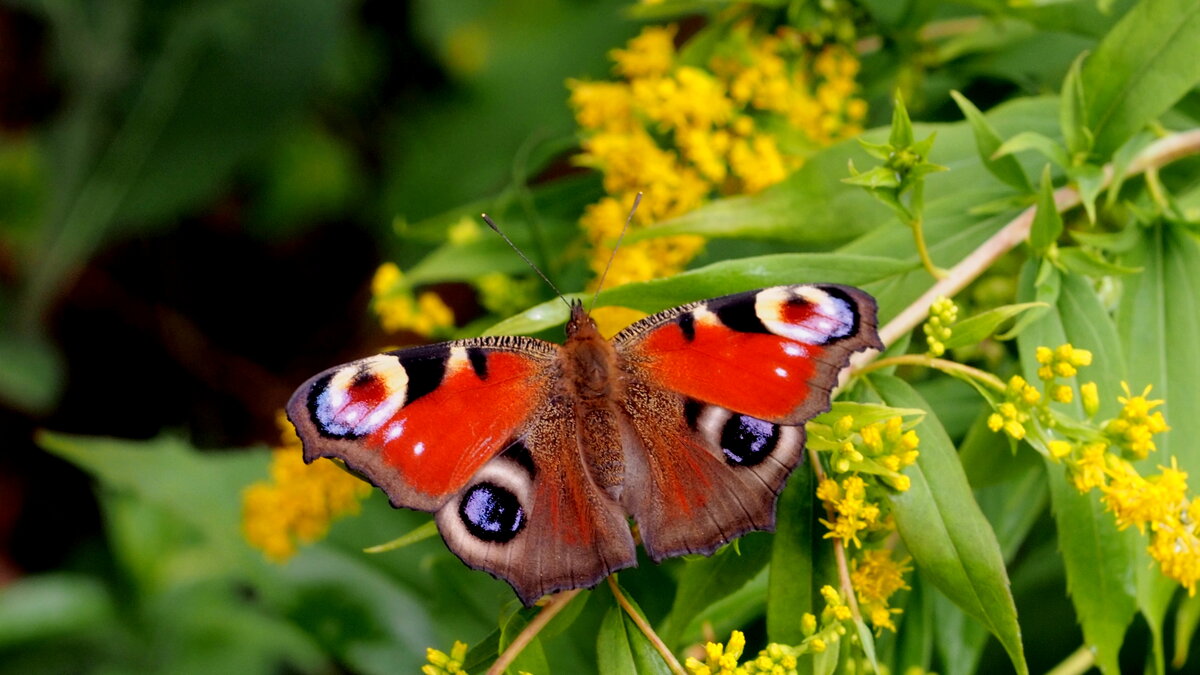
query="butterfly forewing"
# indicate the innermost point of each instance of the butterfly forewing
(419, 423)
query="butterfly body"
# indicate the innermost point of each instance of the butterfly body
(533, 456)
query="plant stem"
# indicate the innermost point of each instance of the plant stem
(952, 367)
(556, 604)
(1080, 661)
(923, 250)
(640, 622)
(423, 532)
(1157, 154)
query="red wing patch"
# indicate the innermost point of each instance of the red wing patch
(419, 423)
(758, 374)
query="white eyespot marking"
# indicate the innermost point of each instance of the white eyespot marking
(794, 349)
(361, 397)
(704, 317)
(394, 431)
(419, 448)
(782, 311)
(782, 372)
(457, 360)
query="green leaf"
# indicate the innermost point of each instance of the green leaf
(33, 372)
(981, 326)
(1140, 69)
(1187, 618)
(1098, 558)
(1005, 167)
(613, 653)
(1082, 261)
(902, 128)
(811, 206)
(1047, 222)
(945, 531)
(1072, 111)
(706, 580)
(51, 606)
(1156, 321)
(1031, 140)
(532, 658)
(790, 586)
(717, 279)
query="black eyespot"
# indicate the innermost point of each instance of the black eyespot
(747, 440)
(492, 513)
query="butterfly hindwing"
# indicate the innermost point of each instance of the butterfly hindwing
(536, 516)
(419, 423)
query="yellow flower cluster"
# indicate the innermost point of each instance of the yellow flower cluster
(1020, 397)
(1134, 429)
(1098, 456)
(875, 577)
(938, 328)
(1062, 362)
(399, 309)
(299, 501)
(441, 663)
(683, 133)
(776, 658)
(852, 513)
(880, 449)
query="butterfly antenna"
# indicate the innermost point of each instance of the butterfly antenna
(629, 219)
(492, 224)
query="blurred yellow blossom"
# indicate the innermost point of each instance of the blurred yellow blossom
(299, 501)
(685, 132)
(852, 513)
(398, 309)
(875, 577)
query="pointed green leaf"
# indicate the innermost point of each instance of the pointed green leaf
(1140, 69)
(532, 658)
(1187, 618)
(1088, 263)
(1072, 111)
(1029, 140)
(706, 580)
(1005, 167)
(1047, 222)
(981, 326)
(902, 128)
(613, 652)
(945, 531)
(790, 593)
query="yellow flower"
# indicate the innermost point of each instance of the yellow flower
(504, 295)
(299, 502)
(1059, 449)
(393, 300)
(602, 105)
(852, 513)
(441, 663)
(757, 162)
(875, 578)
(720, 659)
(1177, 550)
(613, 319)
(650, 54)
(1139, 501)
(1090, 470)
(1134, 428)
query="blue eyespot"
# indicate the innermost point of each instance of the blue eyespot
(747, 440)
(492, 513)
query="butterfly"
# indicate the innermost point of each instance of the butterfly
(534, 456)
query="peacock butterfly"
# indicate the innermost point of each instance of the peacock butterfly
(533, 456)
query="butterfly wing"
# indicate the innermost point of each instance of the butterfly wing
(479, 432)
(536, 517)
(404, 419)
(717, 393)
